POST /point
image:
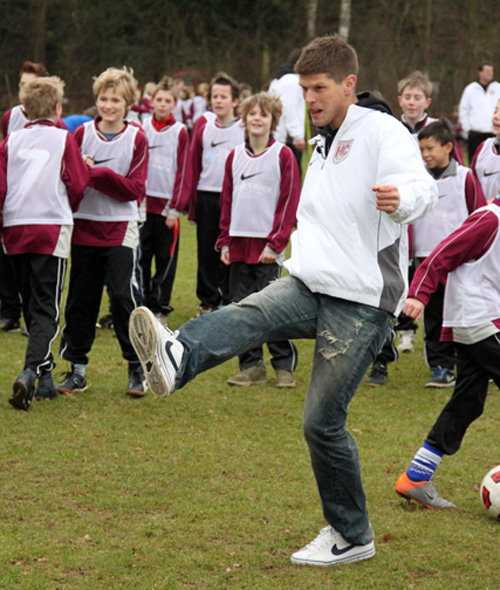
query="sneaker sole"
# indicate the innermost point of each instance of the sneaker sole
(367, 554)
(246, 383)
(19, 397)
(67, 391)
(440, 385)
(144, 338)
(135, 393)
(408, 497)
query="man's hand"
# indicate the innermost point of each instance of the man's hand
(387, 197)
(413, 308)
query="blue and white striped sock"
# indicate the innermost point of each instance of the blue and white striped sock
(424, 463)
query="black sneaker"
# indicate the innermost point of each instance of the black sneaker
(72, 383)
(24, 388)
(378, 375)
(8, 325)
(137, 385)
(45, 388)
(106, 322)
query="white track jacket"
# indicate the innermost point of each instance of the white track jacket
(344, 247)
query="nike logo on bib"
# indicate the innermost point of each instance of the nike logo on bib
(489, 173)
(96, 162)
(219, 143)
(154, 147)
(336, 551)
(243, 177)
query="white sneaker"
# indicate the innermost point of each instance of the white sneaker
(159, 351)
(407, 341)
(330, 548)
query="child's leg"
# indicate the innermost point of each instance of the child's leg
(474, 364)
(147, 251)
(120, 267)
(166, 255)
(86, 282)
(437, 353)
(41, 278)
(212, 275)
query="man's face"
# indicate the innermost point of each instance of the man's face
(327, 101)
(486, 75)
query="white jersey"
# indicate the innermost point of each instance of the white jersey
(256, 190)
(472, 297)
(450, 212)
(117, 155)
(162, 166)
(17, 119)
(36, 194)
(217, 143)
(487, 168)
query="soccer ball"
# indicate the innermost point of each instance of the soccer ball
(490, 492)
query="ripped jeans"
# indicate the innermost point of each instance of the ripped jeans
(348, 337)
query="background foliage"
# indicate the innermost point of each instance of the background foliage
(249, 39)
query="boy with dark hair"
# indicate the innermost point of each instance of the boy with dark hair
(106, 235)
(486, 163)
(347, 281)
(459, 195)
(167, 195)
(467, 260)
(213, 138)
(42, 179)
(258, 206)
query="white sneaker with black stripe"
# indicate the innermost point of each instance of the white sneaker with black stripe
(158, 350)
(330, 548)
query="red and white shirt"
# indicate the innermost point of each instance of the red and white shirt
(259, 201)
(210, 147)
(42, 179)
(486, 167)
(169, 170)
(108, 213)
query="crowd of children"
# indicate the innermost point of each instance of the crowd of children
(110, 195)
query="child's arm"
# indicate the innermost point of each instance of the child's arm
(286, 208)
(3, 177)
(182, 185)
(474, 196)
(124, 188)
(196, 158)
(226, 199)
(469, 242)
(75, 173)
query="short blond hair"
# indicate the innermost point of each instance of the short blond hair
(416, 79)
(168, 85)
(268, 103)
(121, 80)
(41, 97)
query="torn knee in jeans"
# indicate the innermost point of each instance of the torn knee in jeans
(335, 345)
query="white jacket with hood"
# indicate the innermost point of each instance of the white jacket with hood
(344, 246)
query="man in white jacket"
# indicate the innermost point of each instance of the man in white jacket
(366, 181)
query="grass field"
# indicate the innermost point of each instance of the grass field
(212, 488)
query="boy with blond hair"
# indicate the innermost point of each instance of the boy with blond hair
(214, 136)
(259, 201)
(106, 234)
(167, 195)
(42, 179)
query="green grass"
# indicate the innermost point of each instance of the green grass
(212, 487)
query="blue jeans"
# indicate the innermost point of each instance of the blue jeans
(348, 337)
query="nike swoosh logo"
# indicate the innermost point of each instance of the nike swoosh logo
(489, 173)
(243, 177)
(168, 346)
(101, 161)
(219, 143)
(153, 147)
(441, 196)
(336, 551)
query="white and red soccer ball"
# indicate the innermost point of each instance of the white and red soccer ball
(490, 492)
